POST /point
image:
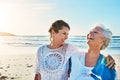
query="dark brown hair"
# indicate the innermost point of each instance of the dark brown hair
(58, 25)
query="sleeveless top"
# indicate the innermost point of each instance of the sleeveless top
(52, 64)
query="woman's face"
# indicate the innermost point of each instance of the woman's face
(95, 37)
(61, 36)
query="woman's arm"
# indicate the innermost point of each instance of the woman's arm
(37, 76)
(110, 62)
(37, 69)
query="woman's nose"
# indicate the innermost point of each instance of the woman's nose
(91, 33)
(66, 37)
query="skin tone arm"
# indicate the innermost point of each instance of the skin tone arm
(110, 62)
(37, 76)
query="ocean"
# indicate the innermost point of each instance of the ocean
(30, 44)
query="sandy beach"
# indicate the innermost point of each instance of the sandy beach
(17, 67)
(21, 67)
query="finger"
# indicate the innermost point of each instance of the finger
(111, 65)
(108, 58)
(109, 62)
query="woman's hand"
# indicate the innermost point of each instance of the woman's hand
(37, 76)
(110, 62)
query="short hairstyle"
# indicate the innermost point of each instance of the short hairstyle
(107, 35)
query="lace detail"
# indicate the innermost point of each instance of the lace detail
(53, 62)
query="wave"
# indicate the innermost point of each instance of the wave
(35, 41)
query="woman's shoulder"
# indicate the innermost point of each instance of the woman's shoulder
(41, 47)
(71, 47)
(79, 55)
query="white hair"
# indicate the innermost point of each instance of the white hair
(107, 35)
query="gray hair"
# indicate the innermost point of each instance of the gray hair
(107, 35)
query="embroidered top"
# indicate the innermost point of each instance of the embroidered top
(52, 64)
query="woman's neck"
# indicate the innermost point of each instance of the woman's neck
(94, 51)
(54, 45)
(91, 57)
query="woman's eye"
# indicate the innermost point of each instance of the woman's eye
(64, 33)
(95, 32)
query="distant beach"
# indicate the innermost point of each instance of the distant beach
(17, 54)
(6, 34)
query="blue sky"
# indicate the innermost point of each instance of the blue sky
(34, 17)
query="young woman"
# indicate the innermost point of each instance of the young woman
(52, 59)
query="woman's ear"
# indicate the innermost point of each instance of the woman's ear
(104, 40)
(52, 32)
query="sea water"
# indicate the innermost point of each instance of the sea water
(29, 44)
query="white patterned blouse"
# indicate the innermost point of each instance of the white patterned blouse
(52, 64)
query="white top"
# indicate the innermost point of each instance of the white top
(79, 70)
(52, 64)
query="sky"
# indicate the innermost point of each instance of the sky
(34, 17)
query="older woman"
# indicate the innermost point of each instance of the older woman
(91, 65)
